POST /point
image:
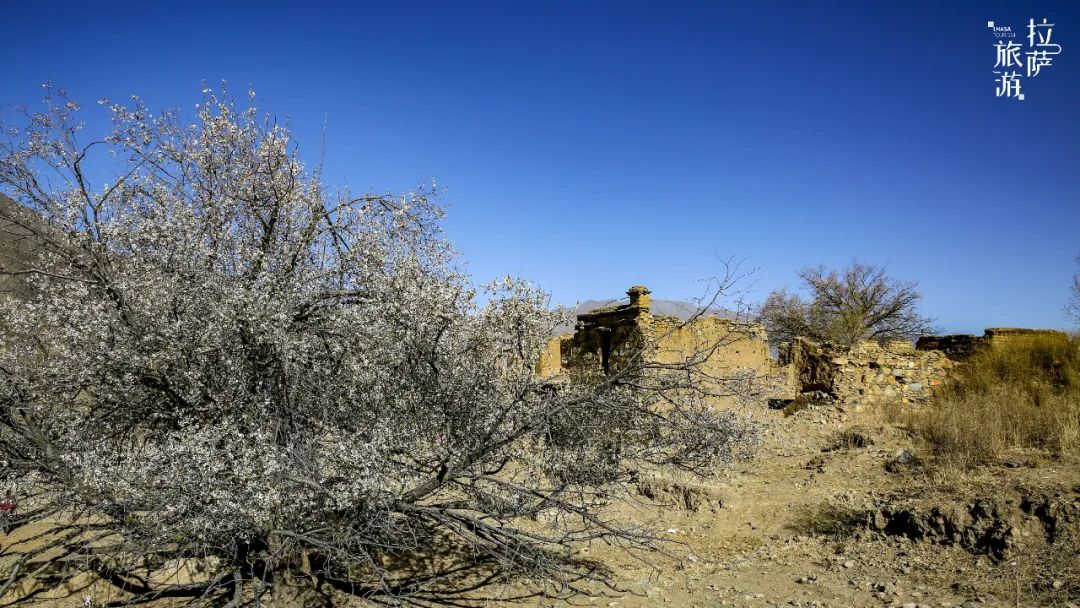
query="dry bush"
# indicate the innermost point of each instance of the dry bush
(1024, 394)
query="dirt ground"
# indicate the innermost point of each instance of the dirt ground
(814, 520)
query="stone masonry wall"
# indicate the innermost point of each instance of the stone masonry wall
(873, 373)
(869, 373)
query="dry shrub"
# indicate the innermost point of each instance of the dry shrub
(1024, 394)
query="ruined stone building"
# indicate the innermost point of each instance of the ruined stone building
(899, 371)
(869, 373)
(604, 339)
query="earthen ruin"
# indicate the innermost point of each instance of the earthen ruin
(961, 346)
(866, 374)
(604, 339)
(869, 373)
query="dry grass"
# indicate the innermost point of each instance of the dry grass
(1021, 395)
(1047, 575)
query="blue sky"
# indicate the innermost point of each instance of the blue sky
(590, 146)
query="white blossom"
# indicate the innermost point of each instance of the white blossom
(223, 361)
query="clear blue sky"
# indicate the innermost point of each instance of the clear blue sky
(591, 146)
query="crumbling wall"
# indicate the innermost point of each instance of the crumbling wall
(999, 336)
(808, 364)
(956, 346)
(733, 355)
(549, 363)
(605, 339)
(959, 347)
(868, 373)
(873, 373)
(733, 343)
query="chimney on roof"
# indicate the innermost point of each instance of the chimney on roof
(639, 296)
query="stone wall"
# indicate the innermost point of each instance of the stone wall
(956, 346)
(868, 373)
(874, 373)
(999, 336)
(961, 346)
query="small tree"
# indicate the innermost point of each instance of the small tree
(860, 302)
(221, 368)
(1072, 308)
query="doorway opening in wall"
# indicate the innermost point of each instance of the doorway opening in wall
(605, 350)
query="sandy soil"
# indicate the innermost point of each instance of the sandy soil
(795, 527)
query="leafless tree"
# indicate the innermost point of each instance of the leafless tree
(1072, 308)
(228, 384)
(860, 302)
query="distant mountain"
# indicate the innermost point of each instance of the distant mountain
(672, 308)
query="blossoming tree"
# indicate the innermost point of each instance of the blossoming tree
(231, 384)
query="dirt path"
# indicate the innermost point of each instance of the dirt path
(790, 528)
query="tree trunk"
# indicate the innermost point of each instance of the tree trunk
(295, 586)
